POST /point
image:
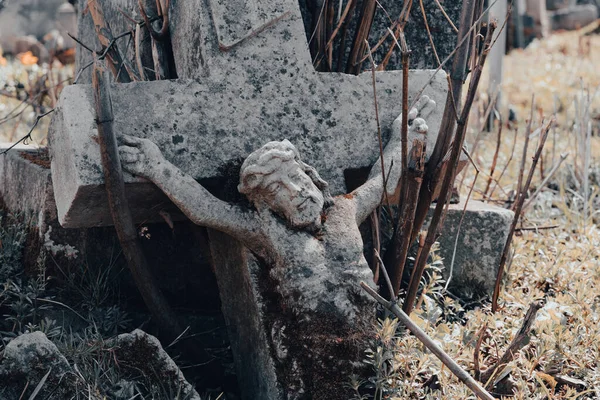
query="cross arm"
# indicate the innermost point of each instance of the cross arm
(143, 158)
(202, 208)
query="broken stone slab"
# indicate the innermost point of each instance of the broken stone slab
(574, 17)
(481, 240)
(25, 362)
(206, 129)
(142, 353)
(25, 183)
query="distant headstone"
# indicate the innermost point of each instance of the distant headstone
(573, 17)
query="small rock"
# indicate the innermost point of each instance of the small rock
(27, 359)
(144, 353)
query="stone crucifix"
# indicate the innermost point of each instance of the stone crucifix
(308, 242)
(287, 268)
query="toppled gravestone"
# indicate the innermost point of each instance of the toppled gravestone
(298, 286)
(480, 243)
(26, 360)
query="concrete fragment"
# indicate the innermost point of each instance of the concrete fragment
(481, 239)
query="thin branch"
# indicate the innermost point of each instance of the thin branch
(28, 135)
(120, 212)
(456, 369)
(541, 186)
(449, 176)
(518, 342)
(518, 207)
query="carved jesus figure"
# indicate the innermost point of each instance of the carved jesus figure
(311, 240)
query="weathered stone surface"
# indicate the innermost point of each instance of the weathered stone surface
(264, 88)
(422, 56)
(142, 353)
(26, 191)
(25, 184)
(573, 17)
(26, 360)
(480, 243)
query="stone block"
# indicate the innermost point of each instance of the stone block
(25, 183)
(574, 17)
(481, 239)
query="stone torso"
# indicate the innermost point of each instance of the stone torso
(320, 273)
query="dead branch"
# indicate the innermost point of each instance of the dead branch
(449, 176)
(367, 13)
(450, 116)
(518, 342)
(456, 369)
(412, 177)
(108, 41)
(525, 147)
(119, 208)
(542, 185)
(512, 154)
(494, 161)
(518, 206)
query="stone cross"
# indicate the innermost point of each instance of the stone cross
(254, 83)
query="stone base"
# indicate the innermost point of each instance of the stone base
(481, 239)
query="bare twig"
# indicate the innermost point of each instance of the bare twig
(512, 154)
(536, 228)
(518, 342)
(480, 337)
(449, 176)
(28, 135)
(542, 185)
(494, 161)
(460, 222)
(367, 13)
(379, 138)
(456, 369)
(109, 43)
(518, 207)
(126, 232)
(447, 128)
(412, 177)
(525, 147)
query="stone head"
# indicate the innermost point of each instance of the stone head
(274, 177)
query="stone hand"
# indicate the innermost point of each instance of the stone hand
(139, 156)
(416, 117)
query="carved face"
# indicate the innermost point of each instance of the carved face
(291, 193)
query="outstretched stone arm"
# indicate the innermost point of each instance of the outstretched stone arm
(370, 195)
(141, 157)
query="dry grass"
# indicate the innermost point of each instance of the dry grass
(27, 90)
(561, 265)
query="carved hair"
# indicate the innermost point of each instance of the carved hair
(265, 161)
